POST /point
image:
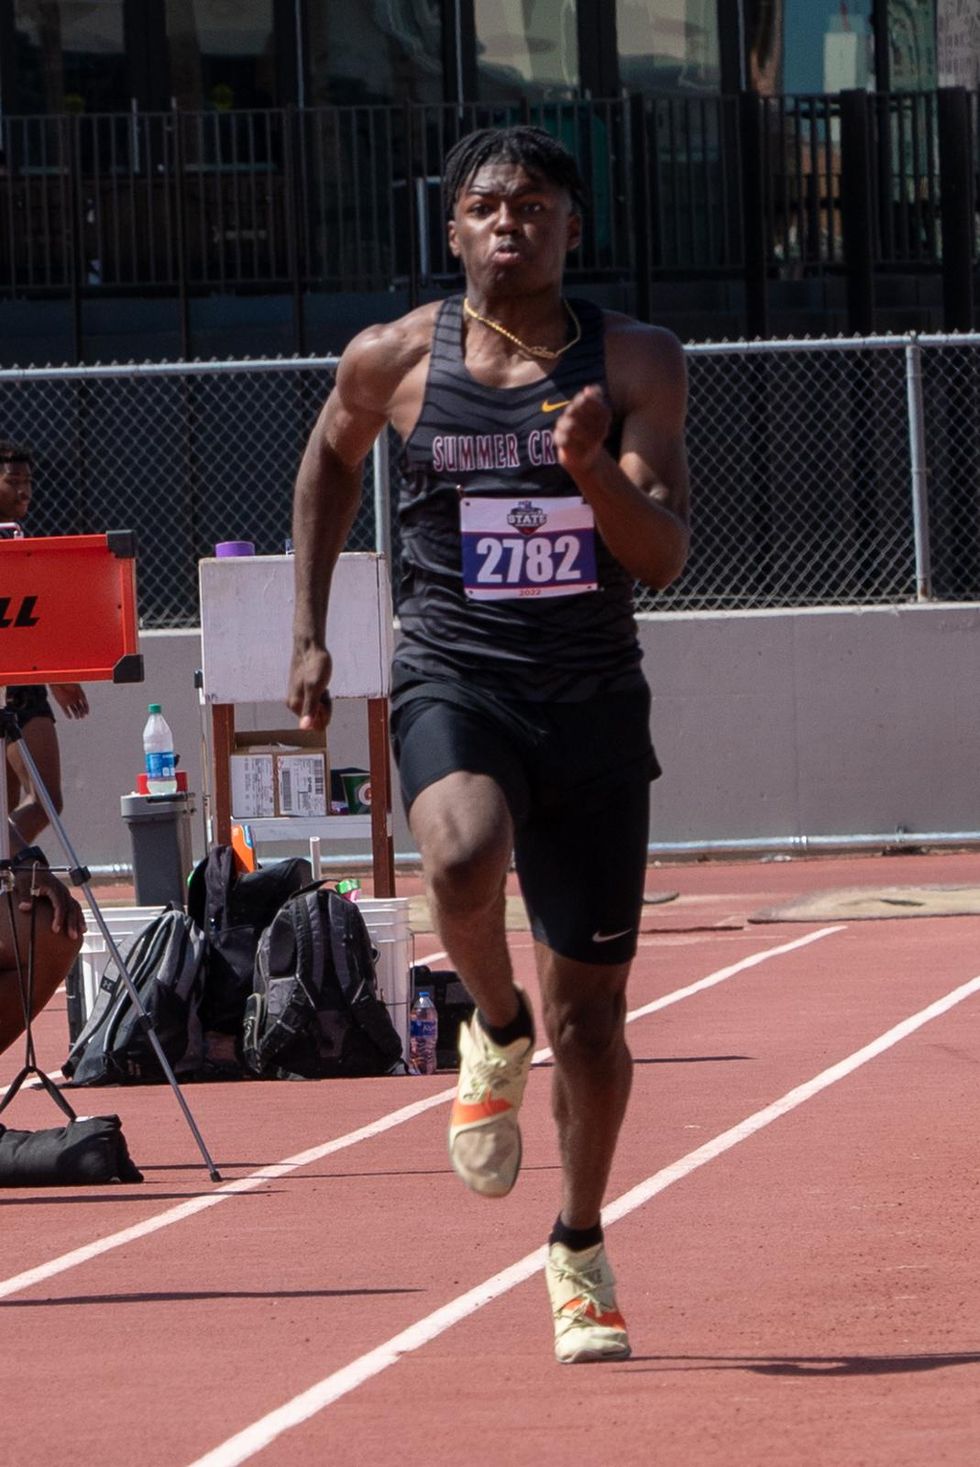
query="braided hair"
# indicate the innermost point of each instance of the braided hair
(14, 453)
(531, 147)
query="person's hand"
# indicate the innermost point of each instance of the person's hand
(67, 915)
(70, 698)
(581, 430)
(307, 695)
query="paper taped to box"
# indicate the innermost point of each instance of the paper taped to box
(278, 780)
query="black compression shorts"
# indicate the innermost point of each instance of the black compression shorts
(28, 702)
(576, 777)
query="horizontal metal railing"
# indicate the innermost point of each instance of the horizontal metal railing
(833, 472)
(347, 198)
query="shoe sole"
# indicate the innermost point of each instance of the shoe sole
(592, 1356)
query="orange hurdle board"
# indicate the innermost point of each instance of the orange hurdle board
(68, 610)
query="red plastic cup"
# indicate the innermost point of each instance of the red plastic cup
(180, 775)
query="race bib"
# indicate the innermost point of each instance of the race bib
(527, 547)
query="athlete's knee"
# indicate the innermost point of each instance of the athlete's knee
(466, 871)
(587, 1031)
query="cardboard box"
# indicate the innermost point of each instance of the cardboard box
(279, 772)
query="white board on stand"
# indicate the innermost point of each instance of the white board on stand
(247, 627)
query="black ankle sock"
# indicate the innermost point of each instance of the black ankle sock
(522, 1027)
(575, 1238)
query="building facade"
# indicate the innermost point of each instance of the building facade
(213, 176)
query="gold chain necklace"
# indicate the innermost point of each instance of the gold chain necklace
(531, 351)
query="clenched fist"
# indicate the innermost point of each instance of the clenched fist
(581, 430)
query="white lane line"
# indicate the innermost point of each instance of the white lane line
(35, 1084)
(751, 961)
(432, 958)
(183, 1210)
(246, 1443)
(194, 1205)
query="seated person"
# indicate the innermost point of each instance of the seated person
(58, 928)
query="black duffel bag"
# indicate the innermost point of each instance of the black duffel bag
(90, 1151)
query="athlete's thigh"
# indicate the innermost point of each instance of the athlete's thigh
(51, 953)
(41, 738)
(582, 870)
(433, 740)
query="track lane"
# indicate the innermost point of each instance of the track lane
(322, 1271)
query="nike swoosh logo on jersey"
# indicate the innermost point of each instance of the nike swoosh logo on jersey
(610, 936)
(552, 407)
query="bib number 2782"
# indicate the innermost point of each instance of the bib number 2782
(527, 548)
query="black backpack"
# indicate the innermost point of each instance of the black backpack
(232, 909)
(166, 963)
(315, 1011)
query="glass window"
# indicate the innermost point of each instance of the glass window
(526, 48)
(374, 51)
(222, 54)
(812, 46)
(668, 45)
(69, 56)
(912, 44)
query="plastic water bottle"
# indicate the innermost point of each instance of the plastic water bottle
(158, 748)
(423, 1032)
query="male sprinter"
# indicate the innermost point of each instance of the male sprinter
(544, 471)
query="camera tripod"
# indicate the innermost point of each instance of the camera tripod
(78, 875)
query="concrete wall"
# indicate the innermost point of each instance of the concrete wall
(768, 725)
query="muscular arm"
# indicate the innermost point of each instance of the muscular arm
(327, 496)
(640, 502)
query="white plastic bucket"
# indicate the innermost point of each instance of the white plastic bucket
(386, 919)
(124, 924)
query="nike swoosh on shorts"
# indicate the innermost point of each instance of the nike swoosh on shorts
(610, 936)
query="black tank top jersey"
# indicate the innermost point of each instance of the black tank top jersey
(498, 442)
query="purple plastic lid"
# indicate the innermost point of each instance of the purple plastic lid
(234, 547)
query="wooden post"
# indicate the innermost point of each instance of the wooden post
(379, 759)
(222, 743)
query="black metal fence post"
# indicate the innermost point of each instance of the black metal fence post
(755, 250)
(957, 204)
(858, 221)
(72, 151)
(413, 220)
(180, 225)
(642, 216)
(292, 154)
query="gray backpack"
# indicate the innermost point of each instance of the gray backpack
(314, 1010)
(167, 965)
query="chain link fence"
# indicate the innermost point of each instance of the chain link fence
(824, 473)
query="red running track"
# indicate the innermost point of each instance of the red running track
(792, 1219)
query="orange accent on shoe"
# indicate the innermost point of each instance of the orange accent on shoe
(482, 1110)
(610, 1320)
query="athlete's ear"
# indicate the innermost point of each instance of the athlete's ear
(453, 239)
(574, 236)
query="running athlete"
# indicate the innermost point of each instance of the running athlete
(544, 471)
(29, 704)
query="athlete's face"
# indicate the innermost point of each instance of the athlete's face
(16, 483)
(512, 230)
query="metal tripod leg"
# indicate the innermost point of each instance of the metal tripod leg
(78, 875)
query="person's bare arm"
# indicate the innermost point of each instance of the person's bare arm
(640, 502)
(327, 496)
(70, 698)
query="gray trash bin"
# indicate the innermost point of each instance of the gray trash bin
(160, 830)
